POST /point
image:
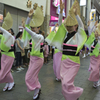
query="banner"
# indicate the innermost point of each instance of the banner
(55, 11)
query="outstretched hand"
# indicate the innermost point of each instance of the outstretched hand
(56, 24)
(23, 22)
(30, 13)
(62, 6)
(96, 23)
(75, 11)
(88, 23)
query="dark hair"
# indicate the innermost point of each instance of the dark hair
(39, 27)
(1, 33)
(18, 35)
(12, 31)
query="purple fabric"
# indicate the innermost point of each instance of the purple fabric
(69, 70)
(94, 68)
(5, 72)
(31, 77)
(57, 64)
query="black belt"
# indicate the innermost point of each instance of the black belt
(92, 49)
(71, 53)
(12, 50)
(41, 50)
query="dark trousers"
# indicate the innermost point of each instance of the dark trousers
(52, 52)
(25, 59)
(18, 59)
(0, 60)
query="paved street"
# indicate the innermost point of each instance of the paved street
(51, 90)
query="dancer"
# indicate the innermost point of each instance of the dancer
(36, 54)
(93, 43)
(70, 45)
(57, 60)
(7, 51)
(57, 64)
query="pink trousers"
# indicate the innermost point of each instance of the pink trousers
(94, 68)
(57, 64)
(69, 70)
(31, 77)
(5, 72)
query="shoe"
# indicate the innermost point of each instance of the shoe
(11, 86)
(35, 97)
(18, 69)
(6, 87)
(88, 54)
(84, 56)
(58, 80)
(21, 68)
(96, 84)
(24, 66)
(78, 99)
(12, 71)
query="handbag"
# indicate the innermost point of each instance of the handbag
(22, 53)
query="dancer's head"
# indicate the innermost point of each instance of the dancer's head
(37, 19)
(8, 22)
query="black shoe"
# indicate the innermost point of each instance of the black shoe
(38, 95)
(78, 99)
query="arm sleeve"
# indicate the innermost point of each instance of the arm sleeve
(5, 32)
(35, 37)
(53, 28)
(8, 38)
(28, 20)
(90, 30)
(60, 19)
(80, 23)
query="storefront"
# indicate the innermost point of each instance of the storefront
(19, 10)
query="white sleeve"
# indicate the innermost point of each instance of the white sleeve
(4, 31)
(90, 30)
(80, 23)
(60, 19)
(36, 37)
(28, 20)
(53, 28)
(9, 39)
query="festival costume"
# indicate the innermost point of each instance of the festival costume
(70, 45)
(36, 54)
(94, 46)
(57, 63)
(7, 51)
(56, 57)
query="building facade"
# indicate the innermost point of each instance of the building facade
(20, 10)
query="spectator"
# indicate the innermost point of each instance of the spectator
(19, 49)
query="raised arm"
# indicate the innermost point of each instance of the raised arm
(91, 29)
(80, 23)
(35, 37)
(4, 31)
(55, 27)
(29, 16)
(62, 6)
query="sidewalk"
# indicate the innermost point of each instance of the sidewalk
(51, 90)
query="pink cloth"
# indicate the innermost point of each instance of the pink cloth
(5, 72)
(69, 70)
(94, 68)
(46, 50)
(31, 77)
(57, 64)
